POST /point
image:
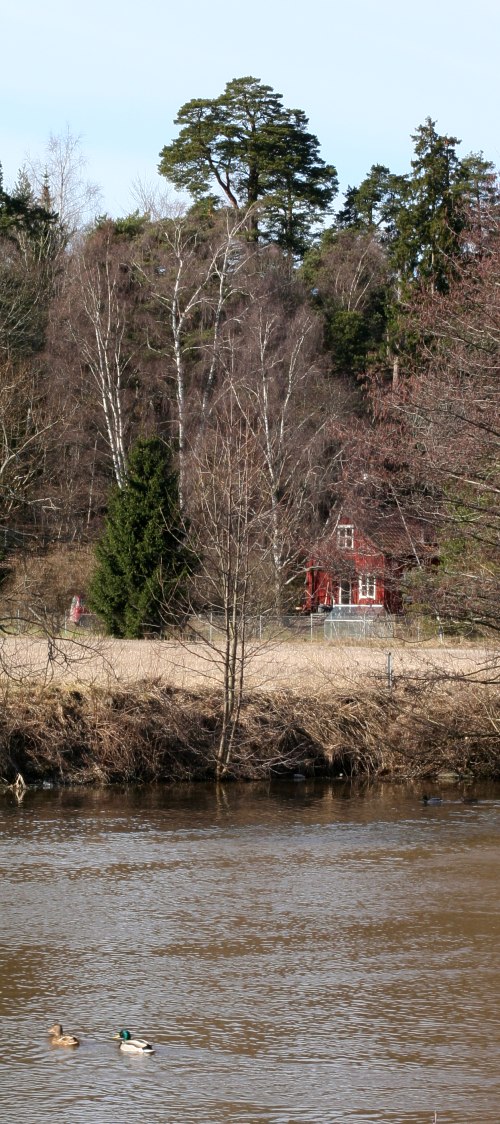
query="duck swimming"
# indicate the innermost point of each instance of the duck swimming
(59, 1039)
(133, 1045)
(431, 799)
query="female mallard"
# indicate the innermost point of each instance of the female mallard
(133, 1045)
(60, 1039)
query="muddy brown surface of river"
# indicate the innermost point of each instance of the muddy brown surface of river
(297, 952)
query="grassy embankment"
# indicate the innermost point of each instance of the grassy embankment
(138, 712)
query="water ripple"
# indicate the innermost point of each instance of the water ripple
(303, 958)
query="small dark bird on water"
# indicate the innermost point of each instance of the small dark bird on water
(431, 799)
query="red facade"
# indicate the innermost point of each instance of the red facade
(353, 567)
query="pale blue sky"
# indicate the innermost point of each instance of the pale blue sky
(366, 75)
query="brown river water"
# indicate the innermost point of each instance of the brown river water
(297, 952)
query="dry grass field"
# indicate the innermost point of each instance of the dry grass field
(310, 669)
(89, 711)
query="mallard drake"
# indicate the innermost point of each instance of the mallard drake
(133, 1045)
(59, 1039)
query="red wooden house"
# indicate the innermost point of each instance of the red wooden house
(362, 565)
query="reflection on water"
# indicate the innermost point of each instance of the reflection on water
(296, 952)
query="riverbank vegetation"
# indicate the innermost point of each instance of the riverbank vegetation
(287, 358)
(149, 732)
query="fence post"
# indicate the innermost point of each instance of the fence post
(311, 620)
(389, 670)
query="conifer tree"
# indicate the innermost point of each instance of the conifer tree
(421, 218)
(27, 232)
(256, 152)
(142, 559)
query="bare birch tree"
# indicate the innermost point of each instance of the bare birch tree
(61, 170)
(286, 412)
(102, 349)
(25, 428)
(192, 279)
(271, 357)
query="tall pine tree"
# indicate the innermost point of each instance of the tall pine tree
(257, 153)
(142, 559)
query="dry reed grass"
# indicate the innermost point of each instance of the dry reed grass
(104, 711)
(151, 732)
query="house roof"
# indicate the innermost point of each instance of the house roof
(398, 536)
(389, 532)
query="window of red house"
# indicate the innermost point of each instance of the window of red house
(345, 536)
(368, 586)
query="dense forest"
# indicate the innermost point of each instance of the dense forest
(209, 384)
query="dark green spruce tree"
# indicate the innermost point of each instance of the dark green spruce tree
(425, 224)
(422, 218)
(143, 560)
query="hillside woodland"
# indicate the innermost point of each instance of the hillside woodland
(290, 352)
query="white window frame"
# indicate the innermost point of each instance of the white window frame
(345, 584)
(367, 587)
(345, 536)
